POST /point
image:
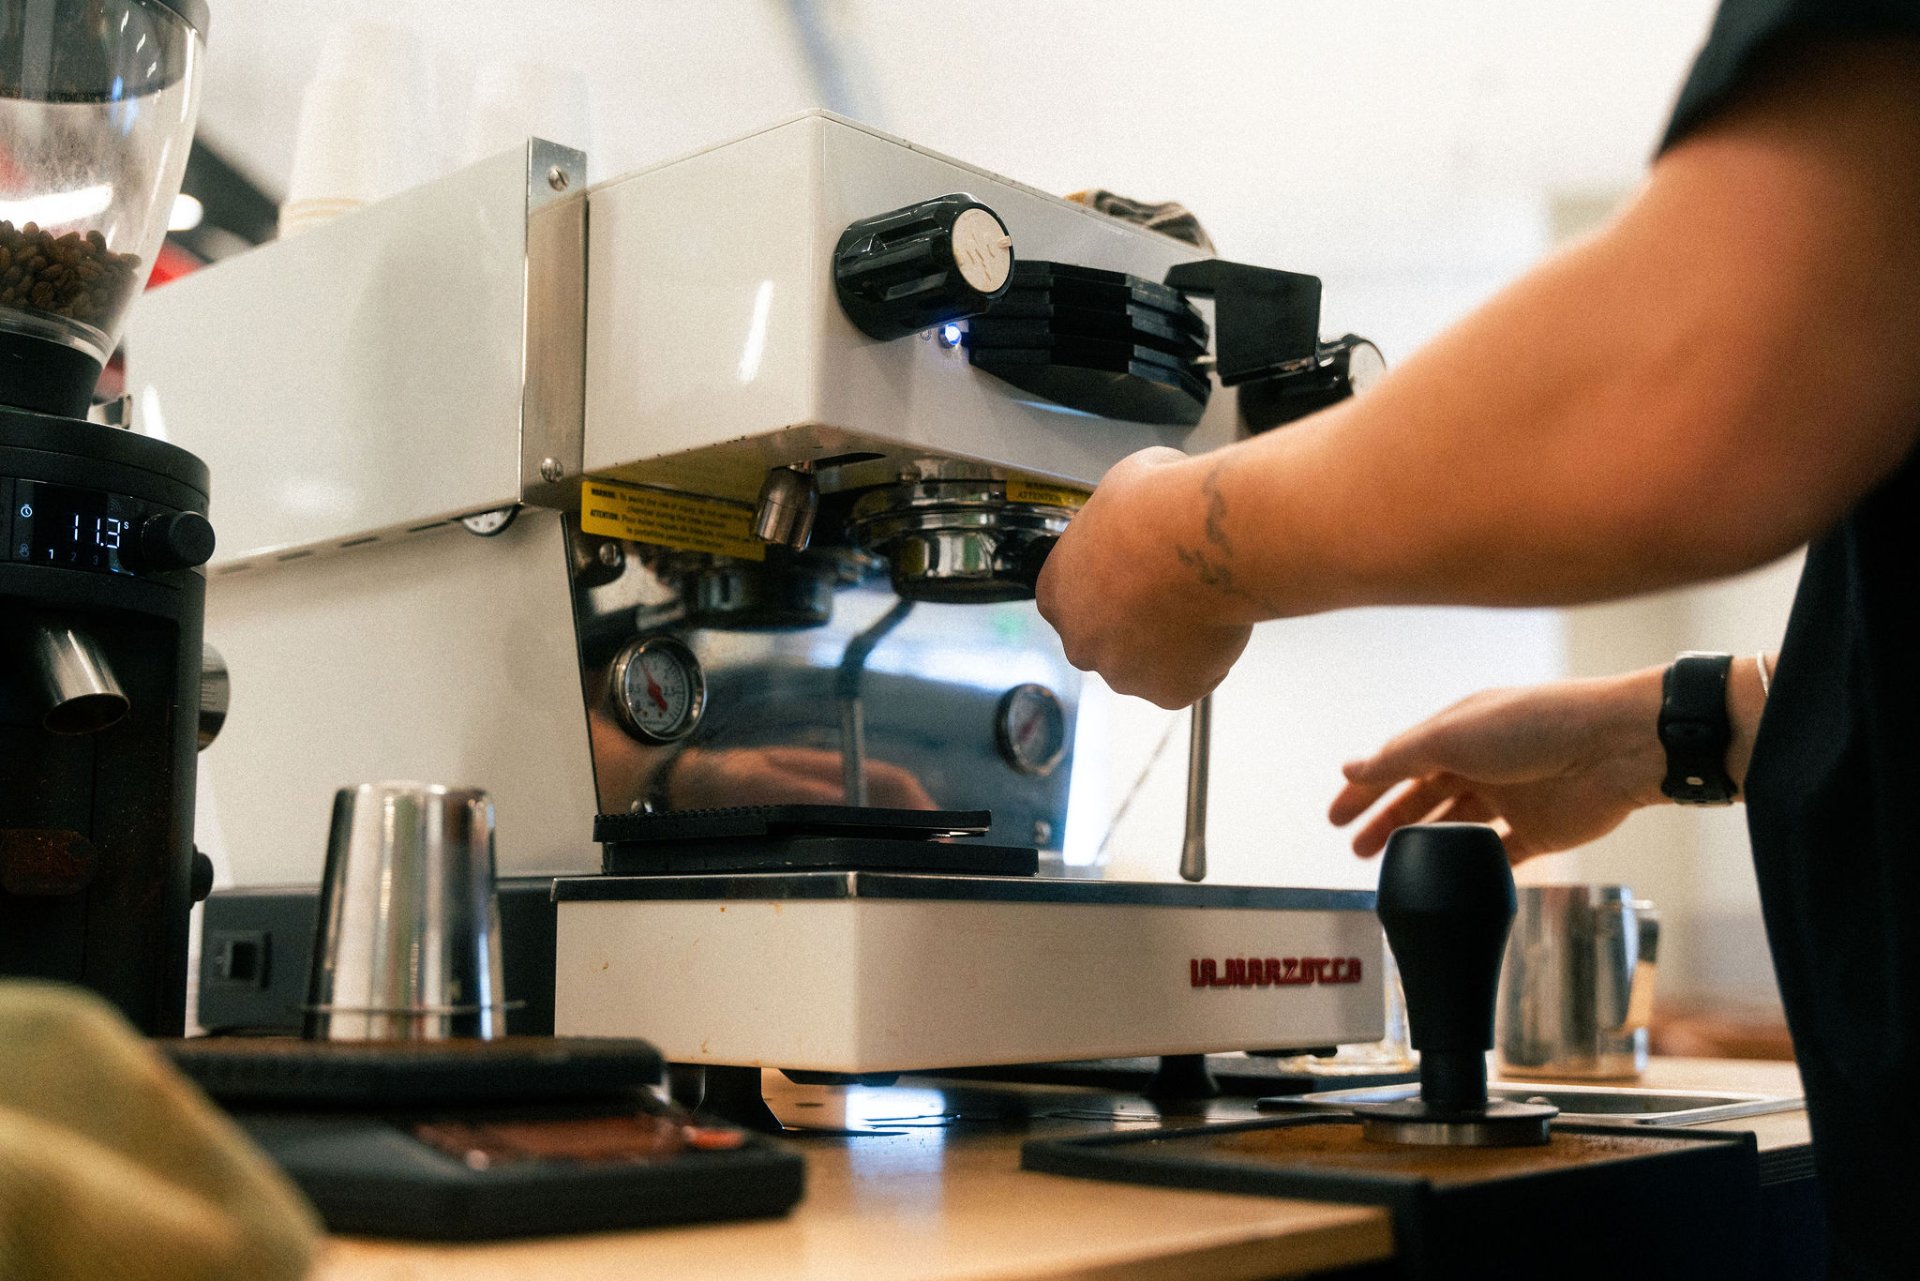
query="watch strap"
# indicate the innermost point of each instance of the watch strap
(1695, 730)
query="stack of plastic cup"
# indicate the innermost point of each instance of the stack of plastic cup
(366, 129)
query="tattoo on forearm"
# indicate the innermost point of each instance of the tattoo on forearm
(1211, 563)
(1216, 523)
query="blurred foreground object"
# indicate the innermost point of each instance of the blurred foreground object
(111, 1165)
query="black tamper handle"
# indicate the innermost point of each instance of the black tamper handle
(1446, 902)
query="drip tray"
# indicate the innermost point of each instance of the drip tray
(1587, 1104)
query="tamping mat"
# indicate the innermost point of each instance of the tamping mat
(770, 838)
(1593, 1202)
(279, 1070)
(1235, 1075)
(789, 820)
(478, 1140)
(822, 854)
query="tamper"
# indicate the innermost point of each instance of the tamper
(1446, 902)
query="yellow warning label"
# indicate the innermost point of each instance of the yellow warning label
(1031, 489)
(683, 522)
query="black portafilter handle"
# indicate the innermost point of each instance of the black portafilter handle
(1446, 902)
(1032, 559)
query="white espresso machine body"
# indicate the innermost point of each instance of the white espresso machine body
(495, 464)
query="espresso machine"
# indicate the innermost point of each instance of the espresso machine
(695, 515)
(101, 531)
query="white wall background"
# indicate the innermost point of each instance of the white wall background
(1412, 152)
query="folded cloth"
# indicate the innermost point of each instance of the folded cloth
(1169, 218)
(112, 1165)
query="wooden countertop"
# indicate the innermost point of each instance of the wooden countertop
(940, 1195)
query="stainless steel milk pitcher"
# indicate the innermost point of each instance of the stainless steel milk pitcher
(1576, 991)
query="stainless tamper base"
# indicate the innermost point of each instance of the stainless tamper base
(1500, 1124)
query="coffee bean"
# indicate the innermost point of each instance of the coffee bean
(71, 275)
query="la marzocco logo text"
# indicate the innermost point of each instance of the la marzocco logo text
(1273, 971)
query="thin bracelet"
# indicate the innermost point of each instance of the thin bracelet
(1766, 677)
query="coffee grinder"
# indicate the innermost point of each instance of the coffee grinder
(102, 532)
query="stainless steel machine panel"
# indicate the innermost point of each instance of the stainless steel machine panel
(912, 705)
(384, 372)
(716, 347)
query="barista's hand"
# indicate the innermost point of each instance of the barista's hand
(1124, 601)
(1552, 766)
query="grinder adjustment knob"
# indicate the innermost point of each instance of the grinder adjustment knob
(914, 268)
(174, 540)
(1446, 903)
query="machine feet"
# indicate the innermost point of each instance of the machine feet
(728, 1093)
(1183, 1076)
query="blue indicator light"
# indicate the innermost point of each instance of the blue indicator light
(950, 334)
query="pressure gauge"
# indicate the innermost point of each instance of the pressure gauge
(1031, 729)
(657, 689)
(487, 524)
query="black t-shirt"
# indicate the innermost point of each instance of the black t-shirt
(1836, 849)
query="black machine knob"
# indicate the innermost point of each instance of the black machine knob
(1446, 902)
(914, 268)
(1344, 367)
(174, 540)
(1032, 559)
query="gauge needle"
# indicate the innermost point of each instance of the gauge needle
(654, 691)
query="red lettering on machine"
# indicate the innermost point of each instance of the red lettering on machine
(1273, 971)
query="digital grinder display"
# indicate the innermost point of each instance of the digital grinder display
(68, 527)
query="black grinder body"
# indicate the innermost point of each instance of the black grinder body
(96, 828)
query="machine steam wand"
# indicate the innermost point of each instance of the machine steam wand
(853, 718)
(1193, 848)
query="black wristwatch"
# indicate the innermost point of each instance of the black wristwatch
(1695, 730)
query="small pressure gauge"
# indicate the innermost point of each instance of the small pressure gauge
(657, 689)
(1030, 727)
(487, 524)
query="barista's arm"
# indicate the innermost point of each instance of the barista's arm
(1553, 766)
(1701, 387)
